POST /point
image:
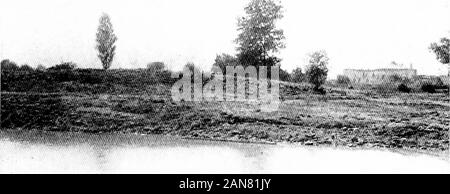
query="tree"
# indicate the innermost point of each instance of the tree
(156, 67)
(26, 68)
(284, 75)
(317, 70)
(343, 80)
(193, 68)
(105, 41)
(442, 51)
(259, 38)
(297, 75)
(41, 68)
(224, 60)
(159, 72)
(63, 66)
(8, 65)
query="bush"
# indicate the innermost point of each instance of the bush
(284, 75)
(297, 75)
(320, 90)
(403, 88)
(26, 68)
(343, 80)
(395, 78)
(41, 68)
(158, 72)
(155, 67)
(65, 66)
(428, 87)
(431, 84)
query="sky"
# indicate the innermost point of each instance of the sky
(362, 34)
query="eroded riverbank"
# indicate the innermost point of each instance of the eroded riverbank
(347, 118)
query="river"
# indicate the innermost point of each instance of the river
(55, 152)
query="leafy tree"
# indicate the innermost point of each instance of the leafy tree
(105, 41)
(41, 68)
(64, 66)
(317, 70)
(259, 38)
(156, 67)
(343, 80)
(442, 51)
(224, 60)
(284, 75)
(159, 71)
(26, 68)
(8, 65)
(297, 75)
(196, 72)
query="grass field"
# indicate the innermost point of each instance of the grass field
(342, 117)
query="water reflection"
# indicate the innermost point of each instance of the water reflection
(37, 152)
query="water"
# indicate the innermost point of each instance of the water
(38, 152)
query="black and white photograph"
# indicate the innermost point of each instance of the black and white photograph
(245, 87)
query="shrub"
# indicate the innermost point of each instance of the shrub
(89, 76)
(155, 67)
(428, 87)
(320, 90)
(158, 72)
(62, 72)
(41, 68)
(403, 88)
(26, 68)
(65, 66)
(395, 78)
(284, 75)
(430, 84)
(343, 80)
(297, 75)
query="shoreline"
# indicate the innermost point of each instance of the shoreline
(441, 154)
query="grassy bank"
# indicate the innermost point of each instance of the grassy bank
(342, 117)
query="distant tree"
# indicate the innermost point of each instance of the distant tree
(64, 66)
(442, 51)
(193, 68)
(297, 75)
(284, 75)
(26, 68)
(105, 41)
(259, 38)
(317, 70)
(156, 67)
(159, 71)
(41, 68)
(343, 80)
(224, 60)
(8, 65)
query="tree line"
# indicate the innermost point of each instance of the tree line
(258, 42)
